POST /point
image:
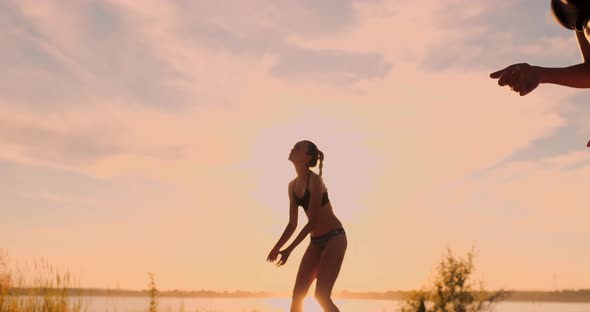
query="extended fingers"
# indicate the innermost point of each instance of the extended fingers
(503, 74)
(519, 77)
(506, 78)
(512, 75)
(497, 74)
(283, 259)
(503, 77)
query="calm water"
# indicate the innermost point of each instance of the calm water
(138, 304)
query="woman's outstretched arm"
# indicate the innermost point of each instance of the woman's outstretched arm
(289, 229)
(524, 78)
(575, 76)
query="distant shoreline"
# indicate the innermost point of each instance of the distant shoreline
(579, 296)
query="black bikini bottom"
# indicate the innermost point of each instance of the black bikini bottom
(323, 239)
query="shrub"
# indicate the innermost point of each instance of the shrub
(453, 290)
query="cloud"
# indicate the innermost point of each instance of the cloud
(480, 34)
(476, 35)
(307, 18)
(567, 138)
(78, 139)
(152, 55)
(60, 56)
(549, 191)
(31, 70)
(330, 66)
(294, 62)
(243, 35)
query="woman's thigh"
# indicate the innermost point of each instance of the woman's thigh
(308, 268)
(330, 263)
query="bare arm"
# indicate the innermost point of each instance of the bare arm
(289, 230)
(292, 225)
(576, 76)
(524, 78)
(304, 231)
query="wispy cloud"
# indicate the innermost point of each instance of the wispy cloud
(485, 34)
(571, 136)
(243, 35)
(330, 66)
(64, 55)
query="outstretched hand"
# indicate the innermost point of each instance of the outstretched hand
(272, 255)
(284, 256)
(521, 78)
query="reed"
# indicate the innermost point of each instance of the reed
(39, 287)
(153, 293)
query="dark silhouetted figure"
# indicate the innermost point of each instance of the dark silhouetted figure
(324, 254)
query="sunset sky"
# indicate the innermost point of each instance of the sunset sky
(152, 136)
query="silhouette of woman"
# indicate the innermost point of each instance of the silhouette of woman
(323, 257)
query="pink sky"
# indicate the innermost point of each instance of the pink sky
(153, 136)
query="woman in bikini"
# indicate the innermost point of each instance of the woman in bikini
(324, 254)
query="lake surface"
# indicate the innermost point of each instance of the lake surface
(140, 304)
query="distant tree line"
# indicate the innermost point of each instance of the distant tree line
(581, 295)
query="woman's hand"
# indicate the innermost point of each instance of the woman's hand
(272, 255)
(284, 256)
(521, 78)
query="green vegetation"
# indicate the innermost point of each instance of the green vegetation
(153, 292)
(36, 289)
(453, 290)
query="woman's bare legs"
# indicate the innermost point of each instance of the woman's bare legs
(328, 269)
(308, 269)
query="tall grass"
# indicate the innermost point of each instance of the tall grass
(39, 287)
(153, 293)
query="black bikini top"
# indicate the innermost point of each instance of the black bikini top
(304, 201)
